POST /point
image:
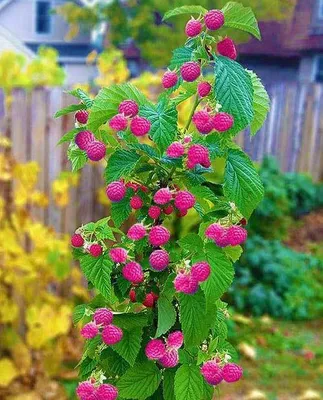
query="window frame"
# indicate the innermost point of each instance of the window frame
(36, 17)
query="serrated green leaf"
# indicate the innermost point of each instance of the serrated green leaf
(208, 391)
(129, 347)
(120, 164)
(185, 10)
(121, 210)
(112, 363)
(130, 321)
(240, 17)
(180, 56)
(78, 313)
(77, 157)
(166, 315)
(168, 384)
(69, 136)
(69, 109)
(148, 150)
(191, 242)
(221, 329)
(86, 367)
(98, 270)
(203, 192)
(242, 184)
(188, 383)
(233, 252)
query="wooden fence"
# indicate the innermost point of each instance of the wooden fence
(293, 133)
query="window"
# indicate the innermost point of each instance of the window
(43, 16)
(319, 68)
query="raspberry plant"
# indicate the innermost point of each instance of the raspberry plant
(157, 327)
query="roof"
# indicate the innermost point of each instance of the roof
(10, 42)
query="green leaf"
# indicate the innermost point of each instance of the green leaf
(188, 383)
(129, 346)
(163, 124)
(208, 391)
(168, 384)
(121, 210)
(86, 367)
(77, 157)
(203, 192)
(120, 164)
(98, 270)
(180, 56)
(139, 382)
(240, 17)
(166, 315)
(185, 10)
(69, 136)
(191, 242)
(145, 148)
(78, 313)
(261, 103)
(69, 109)
(233, 252)
(242, 183)
(233, 90)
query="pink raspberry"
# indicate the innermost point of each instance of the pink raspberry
(236, 235)
(203, 122)
(162, 196)
(175, 340)
(158, 236)
(134, 186)
(198, 154)
(118, 255)
(96, 150)
(212, 373)
(82, 116)
(118, 122)
(83, 139)
(222, 122)
(128, 108)
(232, 372)
(116, 191)
(107, 392)
(90, 330)
(85, 390)
(103, 316)
(170, 359)
(140, 126)
(203, 89)
(227, 48)
(159, 260)
(168, 210)
(193, 28)
(77, 240)
(133, 272)
(219, 234)
(187, 139)
(155, 349)
(201, 271)
(149, 300)
(175, 150)
(170, 79)
(136, 202)
(186, 283)
(132, 296)
(184, 200)
(136, 232)
(111, 335)
(214, 19)
(190, 71)
(182, 213)
(95, 250)
(154, 212)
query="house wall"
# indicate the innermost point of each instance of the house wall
(79, 73)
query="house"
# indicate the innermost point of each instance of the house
(27, 24)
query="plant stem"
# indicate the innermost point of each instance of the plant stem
(196, 103)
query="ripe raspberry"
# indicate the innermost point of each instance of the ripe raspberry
(170, 79)
(162, 196)
(219, 234)
(155, 349)
(158, 236)
(232, 372)
(182, 213)
(83, 139)
(227, 48)
(222, 122)
(118, 122)
(236, 235)
(96, 150)
(190, 71)
(212, 373)
(175, 150)
(111, 335)
(140, 126)
(118, 255)
(103, 316)
(203, 89)
(203, 122)
(107, 392)
(154, 212)
(149, 300)
(82, 116)
(136, 202)
(175, 340)
(184, 200)
(184, 282)
(136, 232)
(116, 191)
(201, 271)
(168, 210)
(159, 260)
(133, 272)
(89, 331)
(77, 240)
(85, 390)
(214, 19)
(128, 108)
(132, 296)
(193, 28)
(198, 154)
(170, 359)
(95, 250)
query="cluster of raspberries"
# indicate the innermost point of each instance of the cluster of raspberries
(226, 236)
(94, 249)
(95, 150)
(188, 281)
(102, 324)
(183, 201)
(87, 391)
(117, 190)
(165, 352)
(197, 154)
(214, 373)
(128, 110)
(205, 122)
(149, 300)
